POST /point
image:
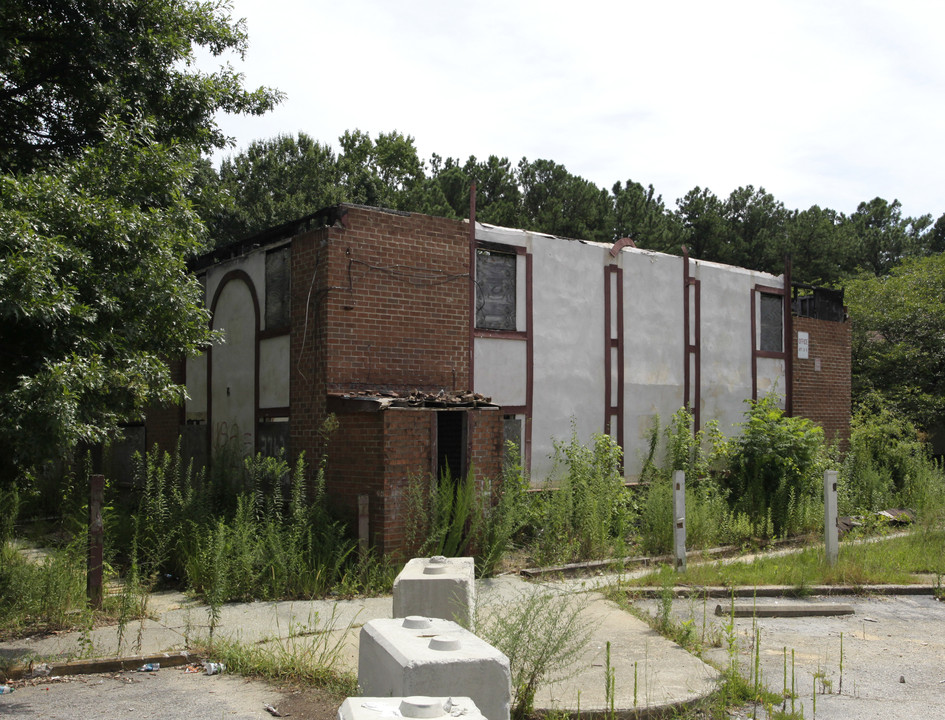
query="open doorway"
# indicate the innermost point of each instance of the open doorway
(451, 443)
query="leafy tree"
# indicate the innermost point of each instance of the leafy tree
(898, 338)
(498, 197)
(557, 202)
(882, 235)
(700, 215)
(272, 182)
(64, 66)
(453, 184)
(936, 237)
(754, 228)
(819, 243)
(382, 173)
(94, 293)
(639, 213)
(104, 120)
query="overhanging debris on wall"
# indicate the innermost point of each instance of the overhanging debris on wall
(376, 400)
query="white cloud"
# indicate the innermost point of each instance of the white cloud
(827, 104)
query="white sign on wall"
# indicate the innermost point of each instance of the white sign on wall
(803, 345)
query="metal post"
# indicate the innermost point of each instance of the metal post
(831, 536)
(679, 518)
(93, 583)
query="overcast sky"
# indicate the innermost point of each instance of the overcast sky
(826, 102)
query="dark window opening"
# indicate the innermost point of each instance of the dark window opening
(772, 323)
(451, 444)
(277, 288)
(272, 436)
(819, 303)
(495, 290)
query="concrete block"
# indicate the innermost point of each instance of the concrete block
(418, 706)
(437, 587)
(433, 657)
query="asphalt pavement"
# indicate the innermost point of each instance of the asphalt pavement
(893, 656)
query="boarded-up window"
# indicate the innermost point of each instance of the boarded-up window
(495, 290)
(277, 288)
(772, 328)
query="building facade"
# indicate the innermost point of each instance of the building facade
(433, 342)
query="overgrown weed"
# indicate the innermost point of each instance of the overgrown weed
(310, 654)
(543, 635)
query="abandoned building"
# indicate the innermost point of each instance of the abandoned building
(434, 341)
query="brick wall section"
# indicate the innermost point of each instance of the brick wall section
(307, 358)
(356, 467)
(404, 322)
(162, 424)
(407, 453)
(486, 437)
(824, 396)
(387, 300)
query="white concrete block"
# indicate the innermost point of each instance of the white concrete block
(438, 587)
(433, 657)
(431, 708)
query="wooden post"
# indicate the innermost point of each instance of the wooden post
(679, 518)
(93, 583)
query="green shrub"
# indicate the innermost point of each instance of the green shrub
(698, 454)
(656, 517)
(585, 511)
(42, 595)
(888, 465)
(777, 463)
(543, 635)
(463, 516)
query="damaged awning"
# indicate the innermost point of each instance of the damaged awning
(376, 400)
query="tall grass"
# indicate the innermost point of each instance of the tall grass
(466, 516)
(899, 560)
(585, 510)
(712, 517)
(274, 537)
(889, 466)
(48, 594)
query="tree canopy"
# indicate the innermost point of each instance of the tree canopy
(94, 293)
(281, 179)
(104, 122)
(898, 342)
(67, 65)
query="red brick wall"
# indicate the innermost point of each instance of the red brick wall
(356, 467)
(387, 297)
(824, 395)
(378, 453)
(307, 357)
(407, 453)
(404, 322)
(162, 424)
(486, 435)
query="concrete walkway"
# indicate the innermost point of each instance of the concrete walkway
(649, 671)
